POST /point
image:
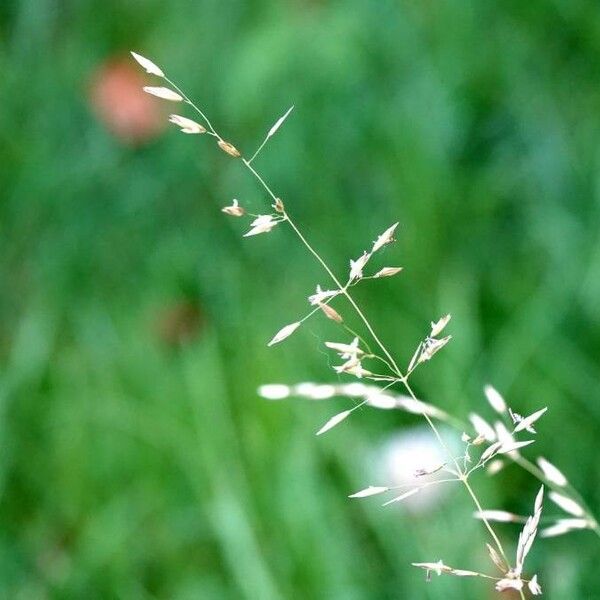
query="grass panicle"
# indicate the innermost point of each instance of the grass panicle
(486, 445)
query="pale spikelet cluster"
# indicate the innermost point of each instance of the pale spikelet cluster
(511, 577)
(503, 443)
(502, 439)
(430, 345)
(363, 357)
(352, 355)
(262, 224)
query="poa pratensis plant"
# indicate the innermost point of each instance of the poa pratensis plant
(364, 357)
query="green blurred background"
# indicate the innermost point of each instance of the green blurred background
(136, 459)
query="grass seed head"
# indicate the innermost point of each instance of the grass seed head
(187, 125)
(147, 64)
(331, 313)
(235, 210)
(229, 148)
(388, 272)
(163, 92)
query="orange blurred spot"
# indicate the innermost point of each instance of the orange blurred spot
(117, 98)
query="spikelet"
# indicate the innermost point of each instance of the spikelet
(331, 313)
(262, 224)
(385, 238)
(335, 420)
(495, 399)
(283, 333)
(369, 491)
(186, 125)
(279, 122)
(567, 504)
(229, 148)
(527, 422)
(401, 497)
(439, 326)
(235, 210)
(551, 472)
(357, 266)
(163, 93)
(387, 272)
(147, 64)
(500, 516)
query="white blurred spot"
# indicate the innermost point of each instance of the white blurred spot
(395, 462)
(274, 391)
(323, 391)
